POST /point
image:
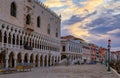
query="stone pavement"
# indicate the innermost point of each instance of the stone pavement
(76, 71)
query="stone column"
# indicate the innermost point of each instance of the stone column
(15, 62)
(38, 62)
(22, 58)
(54, 61)
(2, 38)
(7, 58)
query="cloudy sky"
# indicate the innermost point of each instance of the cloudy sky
(92, 20)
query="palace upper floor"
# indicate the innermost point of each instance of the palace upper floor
(15, 37)
(32, 15)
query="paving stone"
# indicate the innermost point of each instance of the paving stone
(77, 71)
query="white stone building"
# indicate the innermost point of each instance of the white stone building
(75, 49)
(71, 50)
(29, 33)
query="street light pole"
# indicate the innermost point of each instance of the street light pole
(109, 41)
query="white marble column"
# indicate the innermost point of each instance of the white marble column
(22, 58)
(54, 61)
(7, 58)
(2, 38)
(34, 42)
(38, 62)
(50, 60)
(28, 41)
(15, 62)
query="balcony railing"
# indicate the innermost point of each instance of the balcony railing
(28, 47)
(29, 27)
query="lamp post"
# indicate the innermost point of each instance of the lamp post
(109, 41)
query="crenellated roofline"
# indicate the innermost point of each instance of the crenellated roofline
(46, 8)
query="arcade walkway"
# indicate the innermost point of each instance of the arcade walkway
(81, 71)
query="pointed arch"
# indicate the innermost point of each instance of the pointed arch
(48, 29)
(36, 61)
(38, 21)
(5, 37)
(41, 60)
(13, 9)
(31, 58)
(11, 60)
(45, 60)
(19, 58)
(28, 19)
(2, 59)
(26, 58)
(9, 38)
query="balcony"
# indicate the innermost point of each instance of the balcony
(27, 47)
(29, 28)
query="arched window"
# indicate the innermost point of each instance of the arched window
(48, 29)
(13, 9)
(28, 19)
(56, 33)
(29, 0)
(38, 21)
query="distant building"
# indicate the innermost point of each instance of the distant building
(93, 51)
(29, 33)
(75, 49)
(97, 53)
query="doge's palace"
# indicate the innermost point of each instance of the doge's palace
(29, 33)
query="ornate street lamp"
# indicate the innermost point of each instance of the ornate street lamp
(109, 41)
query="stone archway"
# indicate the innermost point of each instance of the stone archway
(49, 59)
(2, 59)
(19, 58)
(31, 58)
(58, 58)
(26, 58)
(45, 60)
(52, 61)
(11, 60)
(36, 61)
(55, 59)
(0, 36)
(41, 60)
